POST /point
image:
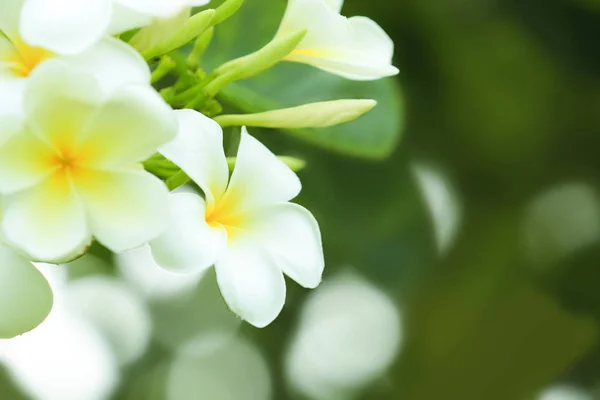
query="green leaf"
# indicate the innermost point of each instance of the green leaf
(25, 295)
(287, 85)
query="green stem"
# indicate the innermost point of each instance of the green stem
(177, 180)
(200, 46)
(165, 65)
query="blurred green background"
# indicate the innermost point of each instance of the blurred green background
(498, 286)
(502, 98)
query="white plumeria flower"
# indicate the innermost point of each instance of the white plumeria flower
(245, 225)
(112, 61)
(69, 167)
(355, 48)
(71, 26)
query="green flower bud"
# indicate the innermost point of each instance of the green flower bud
(314, 115)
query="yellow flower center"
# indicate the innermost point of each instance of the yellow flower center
(222, 214)
(69, 161)
(25, 58)
(65, 158)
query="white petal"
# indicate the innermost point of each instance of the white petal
(59, 101)
(291, 236)
(124, 19)
(47, 222)
(25, 295)
(251, 284)
(113, 63)
(198, 151)
(9, 16)
(11, 95)
(129, 127)
(335, 5)
(24, 161)
(370, 41)
(196, 3)
(64, 26)
(259, 177)
(189, 244)
(10, 125)
(355, 48)
(160, 8)
(56, 79)
(125, 209)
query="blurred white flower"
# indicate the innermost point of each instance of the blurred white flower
(113, 62)
(245, 226)
(205, 368)
(442, 203)
(182, 305)
(564, 393)
(70, 165)
(96, 323)
(349, 334)
(355, 48)
(65, 358)
(116, 311)
(71, 26)
(142, 272)
(560, 221)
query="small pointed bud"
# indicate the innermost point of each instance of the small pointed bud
(314, 115)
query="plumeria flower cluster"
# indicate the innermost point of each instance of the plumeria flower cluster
(91, 152)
